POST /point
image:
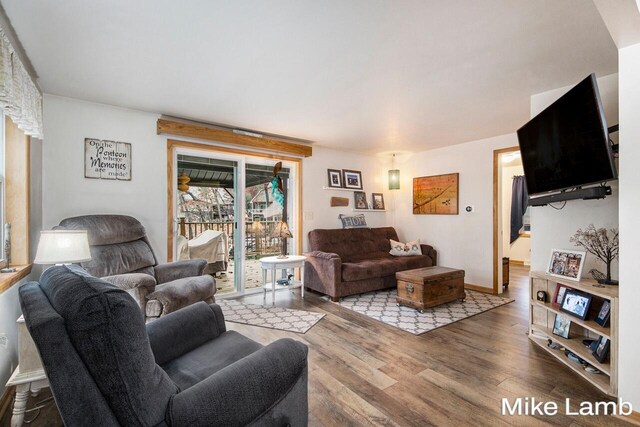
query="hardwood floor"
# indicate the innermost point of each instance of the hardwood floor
(363, 372)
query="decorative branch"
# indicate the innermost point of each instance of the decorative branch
(602, 243)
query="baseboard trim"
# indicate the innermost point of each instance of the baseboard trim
(477, 288)
(5, 400)
(634, 418)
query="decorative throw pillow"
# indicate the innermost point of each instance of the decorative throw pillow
(405, 249)
(356, 221)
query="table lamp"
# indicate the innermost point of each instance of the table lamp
(282, 232)
(63, 247)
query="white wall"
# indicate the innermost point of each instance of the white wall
(67, 122)
(67, 193)
(464, 240)
(520, 250)
(551, 228)
(629, 374)
(317, 211)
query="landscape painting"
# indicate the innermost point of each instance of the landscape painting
(436, 195)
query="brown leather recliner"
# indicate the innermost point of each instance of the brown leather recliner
(121, 254)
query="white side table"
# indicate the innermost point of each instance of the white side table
(29, 376)
(274, 264)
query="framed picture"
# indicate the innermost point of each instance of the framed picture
(566, 264)
(559, 295)
(352, 179)
(561, 326)
(378, 200)
(335, 178)
(436, 195)
(576, 303)
(602, 317)
(602, 349)
(360, 200)
(105, 159)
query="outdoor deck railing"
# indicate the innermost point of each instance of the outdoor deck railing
(258, 234)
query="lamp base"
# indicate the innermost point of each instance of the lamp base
(608, 282)
(282, 257)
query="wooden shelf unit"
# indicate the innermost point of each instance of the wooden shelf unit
(542, 316)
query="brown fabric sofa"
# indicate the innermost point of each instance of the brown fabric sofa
(352, 261)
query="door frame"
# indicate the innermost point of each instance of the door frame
(496, 231)
(172, 182)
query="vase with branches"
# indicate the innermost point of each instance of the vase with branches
(602, 243)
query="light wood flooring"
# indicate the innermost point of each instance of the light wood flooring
(363, 372)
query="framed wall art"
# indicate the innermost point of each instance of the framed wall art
(335, 178)
(107, 159)
(360, 200)
(352, 179)
(436, 195)
(378, 200)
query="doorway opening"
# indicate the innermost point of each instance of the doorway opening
(511, 217)
(223, 210)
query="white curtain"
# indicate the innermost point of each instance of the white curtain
(19, 97)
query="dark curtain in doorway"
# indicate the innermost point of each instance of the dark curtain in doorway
(519, 200)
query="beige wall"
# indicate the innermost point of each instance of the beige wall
(464, 240)
(520, 250)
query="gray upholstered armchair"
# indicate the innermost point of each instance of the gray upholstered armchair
(122, 255)
(106, 368)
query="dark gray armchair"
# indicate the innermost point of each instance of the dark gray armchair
(122, 255)
(106, 368)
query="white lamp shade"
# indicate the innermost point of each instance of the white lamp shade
(63, 246)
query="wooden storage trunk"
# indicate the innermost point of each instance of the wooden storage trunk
(430, 286)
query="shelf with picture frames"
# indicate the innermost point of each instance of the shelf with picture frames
(369, 210)
(542, 315)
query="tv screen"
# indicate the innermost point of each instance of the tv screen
(567, 144)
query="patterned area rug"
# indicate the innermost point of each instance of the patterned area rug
(381, 305)
(281, 318)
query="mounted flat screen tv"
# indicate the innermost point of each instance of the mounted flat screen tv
(567, 145)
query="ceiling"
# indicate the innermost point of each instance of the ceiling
(361, 75)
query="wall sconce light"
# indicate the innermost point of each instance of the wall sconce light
(394, 176)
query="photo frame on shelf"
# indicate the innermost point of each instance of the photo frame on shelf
(351, 179)
(335, 178)
(602, 318)
(360, 200)
(601, 351)
(576, 303)
(566, 263)
(559, 295)
(561, 326)
(377, 200)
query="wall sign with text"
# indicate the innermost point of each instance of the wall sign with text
(107, 159)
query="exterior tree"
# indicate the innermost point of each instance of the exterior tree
(602, 243)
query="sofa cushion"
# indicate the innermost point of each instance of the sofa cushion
(107, 330)
(352, 244)
(405, 249)
(380, 267)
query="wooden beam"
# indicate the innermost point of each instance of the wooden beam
(194, 130)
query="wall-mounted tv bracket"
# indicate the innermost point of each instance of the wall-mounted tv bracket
(614, 147)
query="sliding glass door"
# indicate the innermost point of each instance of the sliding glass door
(227, 213)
